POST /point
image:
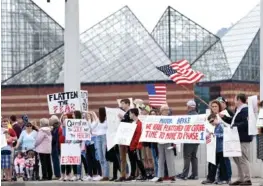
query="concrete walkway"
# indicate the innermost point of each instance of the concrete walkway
(256, 182)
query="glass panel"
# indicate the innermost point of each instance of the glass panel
(29, 35)
(124, 53)
(238, 39)
(182, 38)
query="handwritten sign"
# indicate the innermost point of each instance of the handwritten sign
(70, 154)
(231, 142)
(252, 115)
(65, 102)
(3, 140)
(174, 129)
(113, 123)
(84, 100)
(211, 148)
(260, 118)
(125, 133)
(77, 129)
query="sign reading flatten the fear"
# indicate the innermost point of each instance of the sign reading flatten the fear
(63, 102)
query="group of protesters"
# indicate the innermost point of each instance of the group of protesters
(29, 144)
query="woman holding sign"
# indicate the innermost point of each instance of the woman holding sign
(100, 142)
(216, 108)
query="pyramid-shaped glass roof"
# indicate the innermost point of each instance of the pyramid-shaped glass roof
(118, 49)
(248, 69)
(182, 38)
(28, 33)
(238, 39)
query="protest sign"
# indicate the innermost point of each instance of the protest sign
(252, 115)
(65, 102)
(260, 118)
(231, 142)
(84, 100)
(211, 149)
(174, 129)
(77, 129)
(3, 140)
(125, 133)
(113, 122)
(70, 154)
(210, 128)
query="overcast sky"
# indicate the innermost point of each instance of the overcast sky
(211, 14)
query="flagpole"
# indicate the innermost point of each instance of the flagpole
(195, 95)
(261, 51)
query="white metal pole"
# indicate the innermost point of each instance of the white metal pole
(261, 50)
(71, 47)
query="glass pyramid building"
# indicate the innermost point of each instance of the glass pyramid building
(182, 38)
(120, 49)
(28, 33)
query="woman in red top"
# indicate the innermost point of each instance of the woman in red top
(134, 151)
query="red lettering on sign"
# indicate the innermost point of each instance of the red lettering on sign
(157, 127)
(151, 134)
(198, 128)
(70, 160)
(148, 126)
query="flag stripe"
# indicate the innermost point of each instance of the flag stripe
(156, 94)
(181, 72)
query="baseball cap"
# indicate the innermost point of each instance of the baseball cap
(145, 107)
(191, 103)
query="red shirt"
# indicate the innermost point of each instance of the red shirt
(61, 138)
(12, 134)
(135, 144)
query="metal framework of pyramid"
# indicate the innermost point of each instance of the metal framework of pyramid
(182, 38)
(241, 44)
(248, 69)
(28, 33)
(118, 49)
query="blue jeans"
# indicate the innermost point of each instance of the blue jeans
(228, 168)
(155, 159)
(100, 146)
(55, 160)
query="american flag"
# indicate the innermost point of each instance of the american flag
(208, 139)
(157, 94)
(181, 72)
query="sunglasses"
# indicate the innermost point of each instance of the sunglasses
(28, 125)
(211, 121)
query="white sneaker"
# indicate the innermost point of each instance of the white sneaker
(155, 179)
(66, 178)
(87, 178)
(74, 178)
(97, 178)
(61, 178)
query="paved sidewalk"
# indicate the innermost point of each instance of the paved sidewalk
(256, 182)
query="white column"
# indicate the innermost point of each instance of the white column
(72, 48)
(261, 50)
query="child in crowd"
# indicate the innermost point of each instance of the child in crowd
(19, 164)
(29, 164)
(220, 160)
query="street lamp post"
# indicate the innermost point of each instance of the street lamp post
(261, 50)
(71, 46)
